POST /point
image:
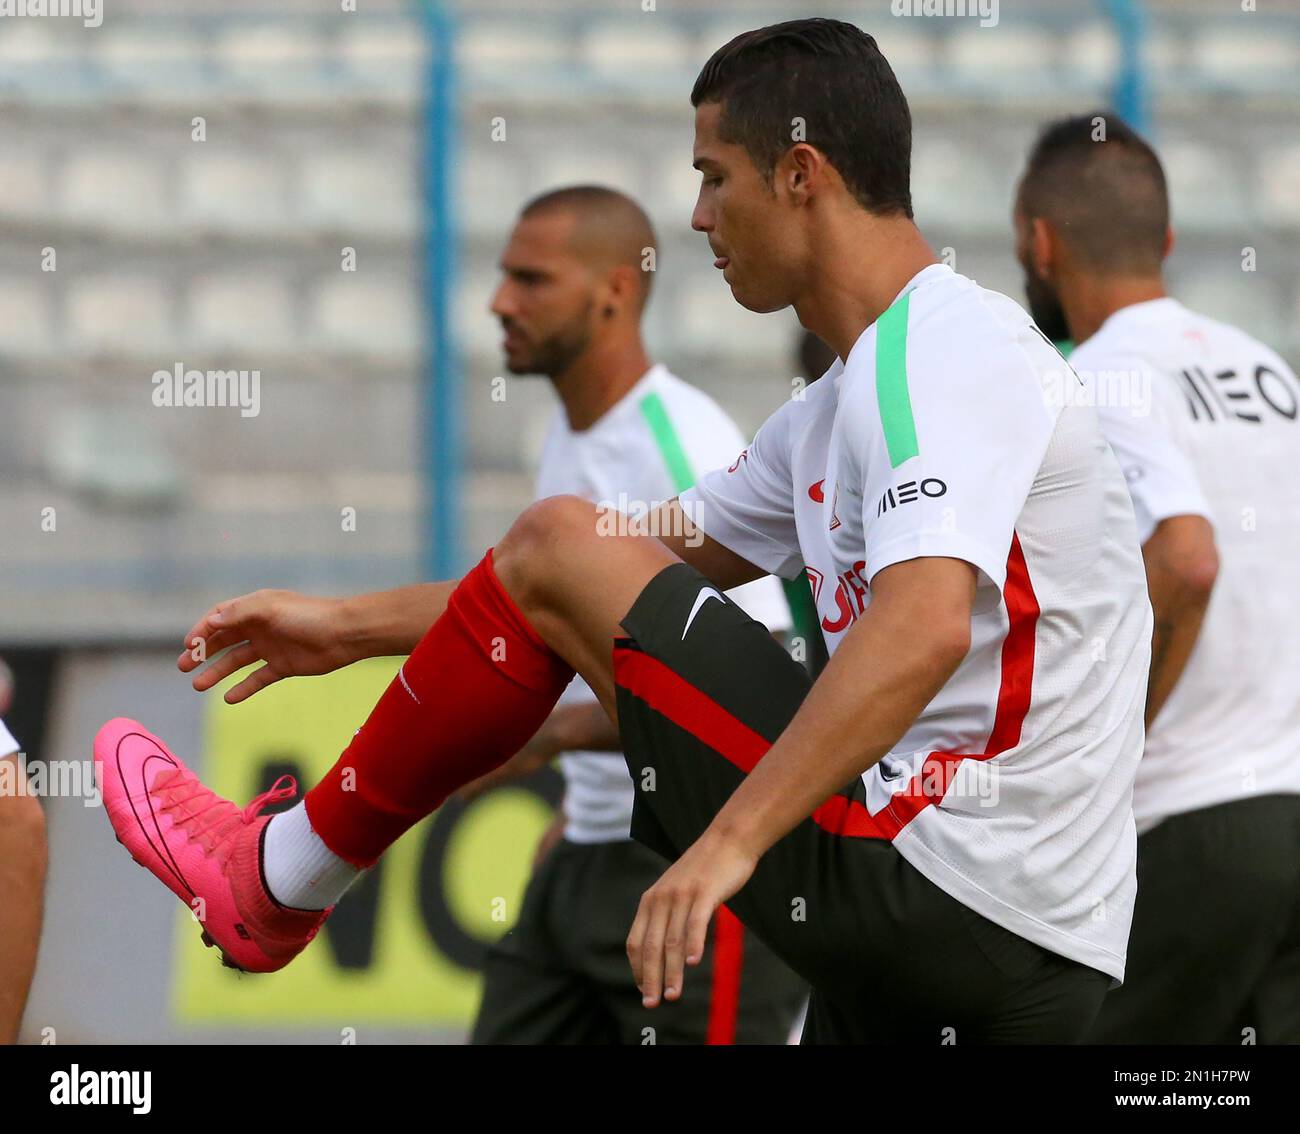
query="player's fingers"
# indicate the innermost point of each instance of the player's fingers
(221, 668)
(199, 649)
(257, 680)
(697, 931)
(229, 617)
(635, 938)
(652, 949)
(675, 946)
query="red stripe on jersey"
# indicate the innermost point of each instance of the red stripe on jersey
(728, 956)
(1014, 695)
(677, 700)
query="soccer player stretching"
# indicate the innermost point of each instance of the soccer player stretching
(938, 834)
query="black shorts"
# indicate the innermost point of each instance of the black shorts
(889, 955)
(1214, 955)
(561, 975)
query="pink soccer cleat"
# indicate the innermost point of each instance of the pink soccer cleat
(204, 849)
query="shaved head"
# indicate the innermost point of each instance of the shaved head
(1103, 189)
(609, 228)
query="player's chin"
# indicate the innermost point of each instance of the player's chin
(760, 302)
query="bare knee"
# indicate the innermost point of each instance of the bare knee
(542, 545)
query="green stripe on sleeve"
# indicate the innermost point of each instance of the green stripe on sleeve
(670, 447)
(891, 383)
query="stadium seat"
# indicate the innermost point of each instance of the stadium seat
(24, 182)
(1246, 57)
(642, 50)
(358, 192)
(119, 313)
(1002, 57)
(353, 313)
(30, 42)
(1089, 54)
(116, 189)
(491, 186)
(232, 190)
(28, 323)
(140, 56)
(236, 311)
(266, 56)
(1165, 55)
(1277, 176)
(715, 33)
(959, 185)
(912, 51)
(391, 55)
(113, 455)
(496, 52)
(478, 331)
(572, 165)
(1205, 191)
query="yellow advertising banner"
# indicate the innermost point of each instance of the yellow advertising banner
(405, 944)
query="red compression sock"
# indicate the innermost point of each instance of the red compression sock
(473, 692)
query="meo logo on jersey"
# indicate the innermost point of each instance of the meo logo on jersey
(909, 491)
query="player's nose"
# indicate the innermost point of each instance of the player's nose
(501, 304)
(701, 217)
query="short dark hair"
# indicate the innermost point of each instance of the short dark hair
(1103, 187)
(832, 75)
(611, 226)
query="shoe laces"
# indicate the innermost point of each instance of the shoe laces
(215, 820)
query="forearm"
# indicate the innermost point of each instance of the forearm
(23, 858)
(1176, 629)
(388, 623)
(883, 675)
(1182, 566)
(671, 525)
(583, 727)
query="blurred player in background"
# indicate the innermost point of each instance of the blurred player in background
(1203, 419)
(23, 861)
(632, 434)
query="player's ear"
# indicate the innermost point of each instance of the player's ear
(621, 287)
(1044, 247)
(1169, 242)
(800, 168)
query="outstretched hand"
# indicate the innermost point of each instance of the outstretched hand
(293, 635)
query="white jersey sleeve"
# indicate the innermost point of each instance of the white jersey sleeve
(748, 506)
(946, 445)
(1145, 440)
(8, 744)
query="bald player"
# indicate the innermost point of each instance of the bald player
(1203, 419)
(576, 282)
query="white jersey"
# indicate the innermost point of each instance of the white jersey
(8, 744)
(944, 433)
(641, 453)
(1216, 435)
